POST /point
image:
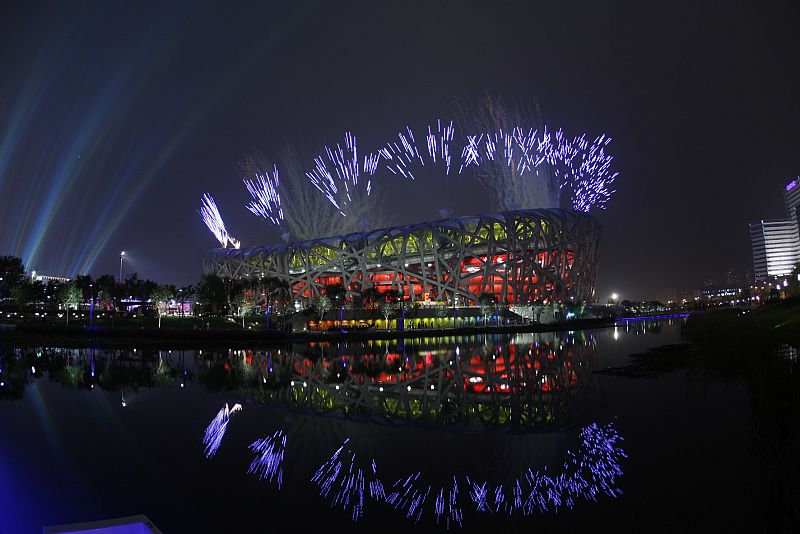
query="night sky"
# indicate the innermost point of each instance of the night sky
(116, 117)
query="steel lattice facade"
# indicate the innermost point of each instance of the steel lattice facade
(519, 256)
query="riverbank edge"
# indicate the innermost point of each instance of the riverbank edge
(34, 335)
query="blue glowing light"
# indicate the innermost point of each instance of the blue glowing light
(213, 220)
(589, 473)
(266, 201)
(341, 183)
(212, 437)
(341, 480)
(268, 463)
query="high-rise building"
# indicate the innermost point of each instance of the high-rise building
(791, 196)
(776, 247)
(776, 242)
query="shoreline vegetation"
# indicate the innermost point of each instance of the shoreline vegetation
(33, 334)
(760, 346)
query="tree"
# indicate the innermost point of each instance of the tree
(244, 304)
(273, 291)
(211, 292)
(322, 305)
(392, 295)
(337, 293)
(105, 300)
(161, 296)
(12, 273)
(387, 309)
(370, 296)
(85, 284)
(22, 293)
(233, 292)
(70, 296)
(185, 295)
(110, 291)
(488, 305)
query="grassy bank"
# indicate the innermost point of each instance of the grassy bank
(760, 346)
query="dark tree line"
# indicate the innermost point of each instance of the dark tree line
(214, 295)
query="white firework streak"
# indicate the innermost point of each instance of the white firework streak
(439, 143)
(343, 184)
(266, 201)
(471, 154)
(268, 463)
(582, 167)
(401, 157)
(213, 219)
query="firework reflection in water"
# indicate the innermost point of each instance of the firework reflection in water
(343, 481)
(268, 463)
(212, 438)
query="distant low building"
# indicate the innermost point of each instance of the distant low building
(720, 293)
(46, 278)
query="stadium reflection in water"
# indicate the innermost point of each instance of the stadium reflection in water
(528, 387)
(524, 382)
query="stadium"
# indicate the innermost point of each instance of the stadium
(519, 257)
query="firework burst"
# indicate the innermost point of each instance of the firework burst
(337, 174)
(266, 199)
(213, 219)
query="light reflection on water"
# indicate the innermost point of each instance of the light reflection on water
(532, 387)
(526, 381)
(587, 474)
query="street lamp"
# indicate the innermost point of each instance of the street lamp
(615, 298)
(121, 257)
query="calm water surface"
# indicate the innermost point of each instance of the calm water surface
(509, 433)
